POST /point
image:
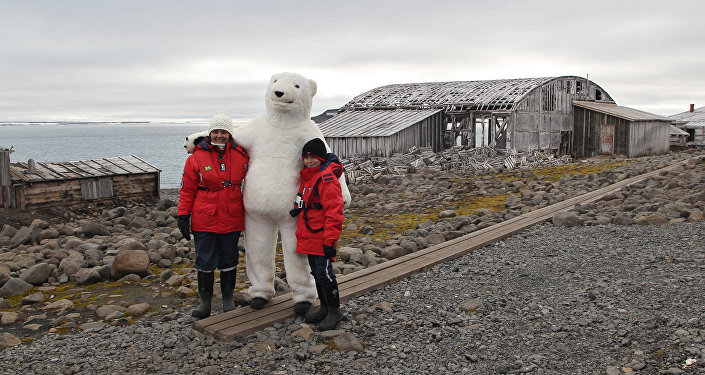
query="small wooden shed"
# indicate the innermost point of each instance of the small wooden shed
(610, 129)
(29, 185)
(692, 122)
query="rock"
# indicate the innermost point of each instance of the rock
(107, 310)
(93, 257)
(409, 246)
(348, 342)
(47, 234)
(92, 228)
(165, 204)
(130, 278)
(184, 292)
(114, 213)
(33, 298)
(129, 244)
(7, 340)
(304, 333)
(446, 214)
(86, 276)
(14, 287)
(622, 220)
(4, 276)
(472, 305)
(8, 231)
(92, 326)
(696, 215)
(4, 305)
(344, 253)
(566, 219)
(130, 261)
(140, 222)
(8, 317)
(393, 252)
(62, 304)
(38, 273)
(69, 266)
(435, 239)
(22, 236)
(653, 219)
(39, 224)
(138, 309)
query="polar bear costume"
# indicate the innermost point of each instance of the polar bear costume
(274, 142)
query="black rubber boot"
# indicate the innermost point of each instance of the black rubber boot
(317, 316)
(205, 292)
(227, 287)
(333, 301)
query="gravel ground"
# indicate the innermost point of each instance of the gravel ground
(583, 300)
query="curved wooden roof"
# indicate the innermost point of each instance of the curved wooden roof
(493, 94)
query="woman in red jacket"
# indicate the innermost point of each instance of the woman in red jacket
(211, 199)
(319, 206)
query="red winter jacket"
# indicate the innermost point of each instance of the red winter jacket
(321, 219)
(210, 188)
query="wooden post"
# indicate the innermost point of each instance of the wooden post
(5, 177)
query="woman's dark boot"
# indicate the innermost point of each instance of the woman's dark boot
(205, 292)
(317, 316)
(333, 301)
(227, 287)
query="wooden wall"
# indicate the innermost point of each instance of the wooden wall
(649, 138)
(69, 193)
(543, 115)
(631, 138)
(698, 135)
(425, 133)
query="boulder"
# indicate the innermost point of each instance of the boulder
(92, 228)
(393, 252)
(129, 244)
(7, 340)
(23, 236)
(130, 261)
(38, 273)
(69, 266)
(566, 219)
(653, 219)
(14, 287)
(86, 276)
(8, 231)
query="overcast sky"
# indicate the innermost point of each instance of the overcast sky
(153, 60)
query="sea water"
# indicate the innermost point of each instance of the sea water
(159, 144)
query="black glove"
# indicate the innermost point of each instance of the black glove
(295, 212)
(184, 223)
(329, 251)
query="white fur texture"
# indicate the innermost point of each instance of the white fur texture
(190, 141)
(274, 142)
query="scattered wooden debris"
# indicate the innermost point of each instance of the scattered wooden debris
(361, 169)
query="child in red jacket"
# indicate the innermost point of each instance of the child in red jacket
(319, 205)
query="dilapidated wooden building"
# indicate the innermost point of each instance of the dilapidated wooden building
(520, 114)
(692, 122)
(29, 185)
(609, 129)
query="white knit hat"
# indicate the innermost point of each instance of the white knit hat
(221, 121)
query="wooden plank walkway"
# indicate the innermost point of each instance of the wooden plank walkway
(243, 321)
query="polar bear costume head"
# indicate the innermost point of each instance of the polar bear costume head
(289, 97)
